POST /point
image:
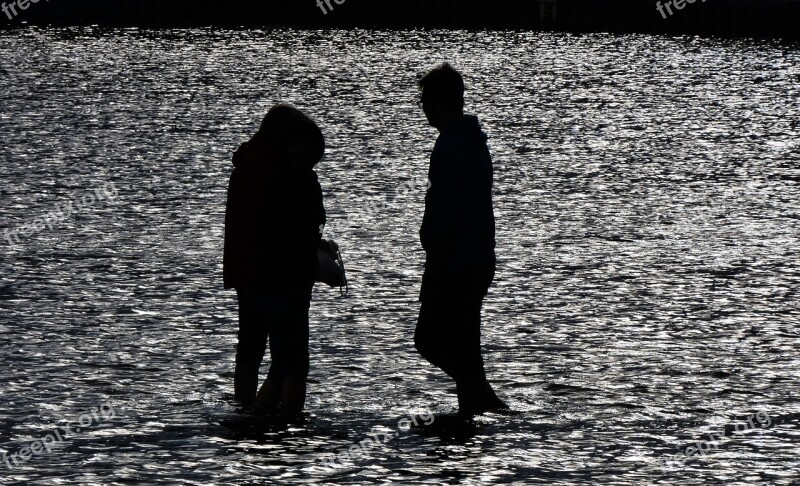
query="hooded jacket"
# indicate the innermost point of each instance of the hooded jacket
(458, 229)
(274, 215)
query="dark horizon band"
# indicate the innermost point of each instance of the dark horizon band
(728, 18)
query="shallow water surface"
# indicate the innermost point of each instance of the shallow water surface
(646, 194)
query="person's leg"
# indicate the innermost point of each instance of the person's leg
(250, 349)
(296, 358)
(475, 394)
(269, 396)
(428, 336)
(293, 396)
(285, 386)
(448, 334)
(461, 318)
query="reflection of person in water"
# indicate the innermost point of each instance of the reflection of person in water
(458, 237)
(272, 231)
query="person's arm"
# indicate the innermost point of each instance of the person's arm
(444, 202)
(309, 230)
(230, 254)
(318, 216)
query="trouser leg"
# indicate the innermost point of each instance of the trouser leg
(285, 386)
(252, 343)
(448, 331)
(289, 334)
(463, 359)
(428, 336)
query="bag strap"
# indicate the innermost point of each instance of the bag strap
(344, 273)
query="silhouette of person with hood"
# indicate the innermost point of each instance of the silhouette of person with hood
(273, 223)
(458, 236)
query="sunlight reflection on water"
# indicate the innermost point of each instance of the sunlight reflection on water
(647, 206)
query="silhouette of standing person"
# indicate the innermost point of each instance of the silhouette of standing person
(273, 223)
(458, 236)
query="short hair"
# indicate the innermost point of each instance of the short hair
(445, 85)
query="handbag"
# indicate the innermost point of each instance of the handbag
(331, 266)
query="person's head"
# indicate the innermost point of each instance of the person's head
(442, 97)
(293, 135)
(305, 145)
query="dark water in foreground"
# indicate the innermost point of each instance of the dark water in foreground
(647, 198)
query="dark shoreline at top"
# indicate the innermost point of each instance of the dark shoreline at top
(768, 19)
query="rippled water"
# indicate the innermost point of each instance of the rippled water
(647, 197)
